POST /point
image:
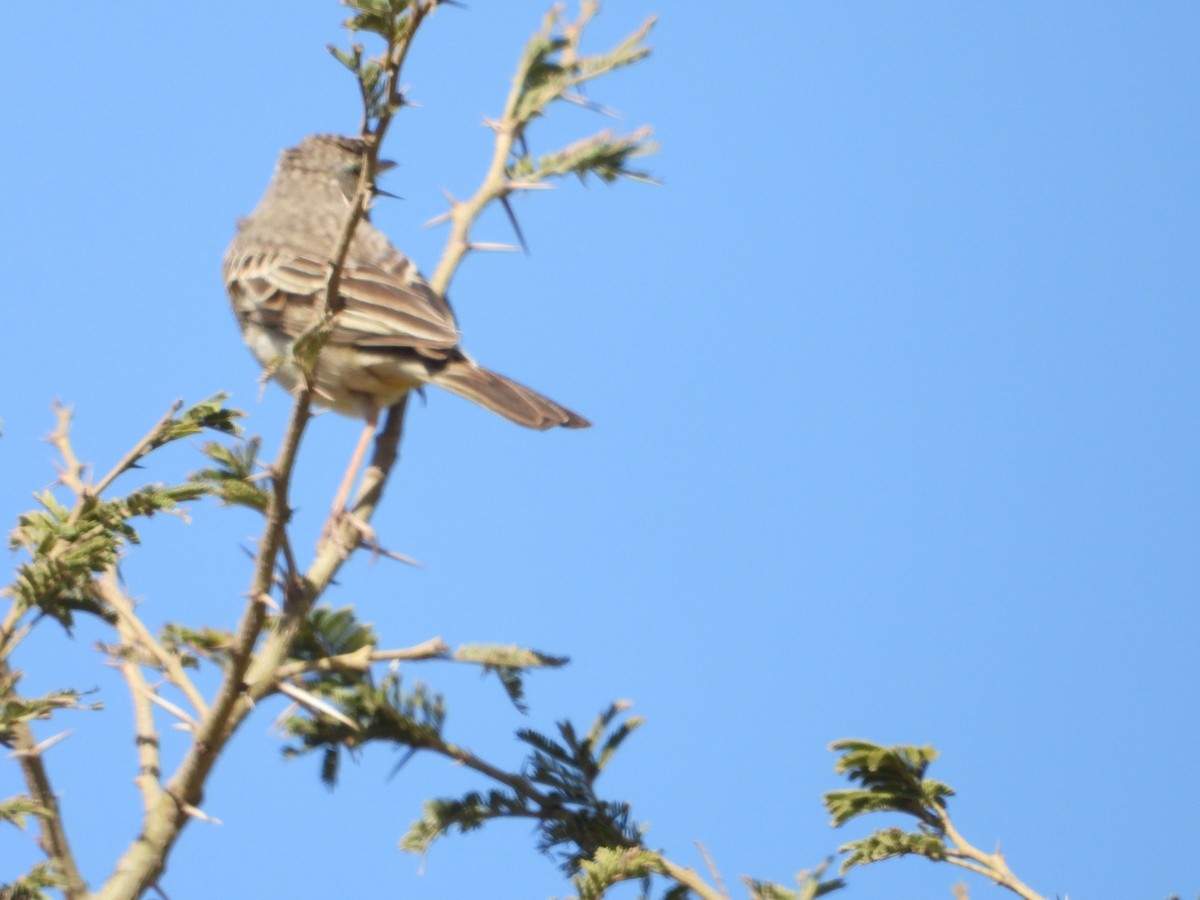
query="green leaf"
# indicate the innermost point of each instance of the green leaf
(15, 809)
(890, 842)
(209, 414)
(234, 477)
(383, 713)
(190, 644)
(892, 779)
(608, 866)
(605, 155)
(471, 811)
(29, 887)
(15, 709)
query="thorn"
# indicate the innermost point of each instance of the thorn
(438, 219)
(580, 100)
(512, 218)
(197, 813)
(529, 186)
(408, 754)
(378, 551)
(304, 698)
(490, 246)
(187, 721)
(268, 601)
(39, 748)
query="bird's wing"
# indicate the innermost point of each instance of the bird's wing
(386, 305)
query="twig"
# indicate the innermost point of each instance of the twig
(139, 635)
(434, 648)
(509, 132)
(990, 865)
(712, 870)
(139, 450)
(37, 781)
(146, 735)
(689, 879)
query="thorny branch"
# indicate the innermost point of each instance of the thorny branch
(256, 664)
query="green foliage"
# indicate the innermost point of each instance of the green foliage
(15, 809)
(232, 479)
(390, 19)
(349, 716)
(441, 816)
(207, 415)
(556, 789)
(509, 663)
(15, 709)
(189, 644)
(550, 67)
(29, 887)
(605, 155)
(888, 842)
(67, 548)
(66, 551)
(393, 21)
(608, 866)
(328, 632)
(550, 70)
(809, 886)
(893, 780)
(567, 770)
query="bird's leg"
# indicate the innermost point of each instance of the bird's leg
(339, 513)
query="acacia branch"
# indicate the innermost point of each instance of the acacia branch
(145, 733)
(53, 840)
(130, 459)
(990, 865)
(691, 880)
(524, 103)
(359, 660)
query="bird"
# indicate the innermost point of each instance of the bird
(393, 332)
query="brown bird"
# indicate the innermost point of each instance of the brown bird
(393, 333)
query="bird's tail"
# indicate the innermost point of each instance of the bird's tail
(501, 395)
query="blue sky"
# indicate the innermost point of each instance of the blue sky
(895, 403)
